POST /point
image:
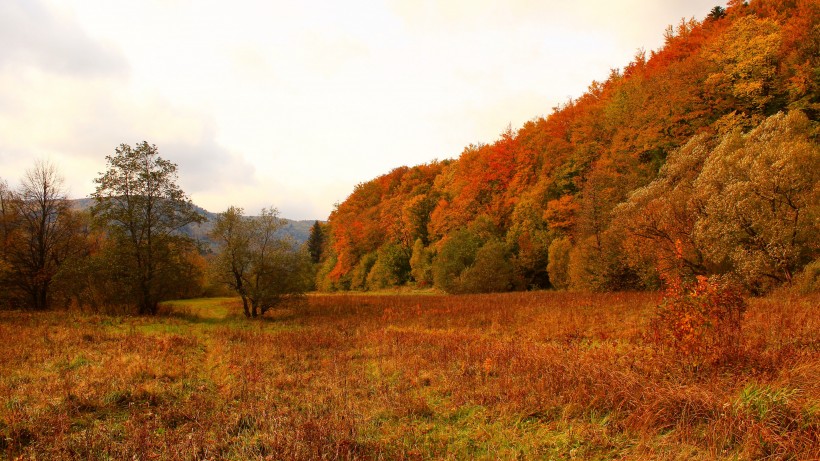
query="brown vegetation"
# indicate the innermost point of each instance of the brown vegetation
(530, 375)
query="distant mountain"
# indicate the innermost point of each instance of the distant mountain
(299, 231)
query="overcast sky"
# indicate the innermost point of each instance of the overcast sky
(292, 103)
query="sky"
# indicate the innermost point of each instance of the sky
(291, 104)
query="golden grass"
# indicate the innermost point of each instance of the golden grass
(522, 375)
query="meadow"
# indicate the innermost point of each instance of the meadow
(537, 375)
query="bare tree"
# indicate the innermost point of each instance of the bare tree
(39, 233)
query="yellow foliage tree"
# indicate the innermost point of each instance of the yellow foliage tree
(746, 59)
(762, 195)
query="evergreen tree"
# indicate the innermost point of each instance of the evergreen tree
(316, 242)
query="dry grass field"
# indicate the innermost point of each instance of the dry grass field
(509, 376)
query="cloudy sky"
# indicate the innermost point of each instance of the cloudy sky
(292, 103)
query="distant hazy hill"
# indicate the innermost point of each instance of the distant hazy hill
(298, 230)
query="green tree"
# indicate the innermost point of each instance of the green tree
(716, 13)
(456, 254)
(491, 272)
(139, 203)
(323, 281)
(358, 276)
(392, 267)
(232, 232)
(528, 238)
(261, 267)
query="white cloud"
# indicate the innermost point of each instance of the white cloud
(34, 36)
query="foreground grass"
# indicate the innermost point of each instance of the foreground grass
(525, 375)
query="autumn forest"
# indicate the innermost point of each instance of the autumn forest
(634, 276)
(699, 158)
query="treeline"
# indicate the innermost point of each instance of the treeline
(128, 252)
(700, 158)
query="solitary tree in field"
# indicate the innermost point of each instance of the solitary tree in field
(262, 268)
(39, 232)
(142, 208)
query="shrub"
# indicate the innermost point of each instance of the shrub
(700, 320)
(808, 281)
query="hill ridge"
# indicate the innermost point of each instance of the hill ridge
(299, 230)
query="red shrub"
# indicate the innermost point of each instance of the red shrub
(701, 320)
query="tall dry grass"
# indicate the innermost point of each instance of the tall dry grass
(522, 375)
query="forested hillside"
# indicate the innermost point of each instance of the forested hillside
(699, 158)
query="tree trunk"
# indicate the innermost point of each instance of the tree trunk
(145, 299)
(41, 302)
(245, 306)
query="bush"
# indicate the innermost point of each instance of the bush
(701, 320)
(808, 281)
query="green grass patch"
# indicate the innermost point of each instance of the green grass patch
(204, 308)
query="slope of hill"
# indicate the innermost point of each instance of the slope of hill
(299, 231)
(699, 158)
